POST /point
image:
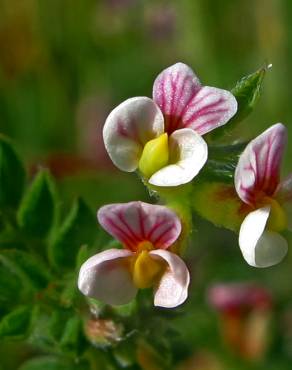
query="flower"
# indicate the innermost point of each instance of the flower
(245, 313)
(162, 137)
(146, 232)
(238, 298)
(257, 182)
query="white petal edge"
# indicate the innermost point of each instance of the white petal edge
(128, 128)
(172, 289)
(106, 277)
(261, 247)
(192, 152)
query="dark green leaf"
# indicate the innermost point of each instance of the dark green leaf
(47, 330)
(11, 239)
(11, 288)
(226, 152)
(37, 210)
(12, 175)
(16, 324)
(221, 164)
(73, 339)
(216, 171)
(26, 264)
(79, 228)
(52, 363)
(125, 354)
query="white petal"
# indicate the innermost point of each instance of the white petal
(128, 128)
(260, 247)
(106, 277)
(172, 289)
(189, 153)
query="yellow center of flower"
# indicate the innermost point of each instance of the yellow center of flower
(278, 218)
(145, 269)
(155, 155)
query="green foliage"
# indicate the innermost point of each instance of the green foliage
(36, 214)
(12, 176)
(17, 323)
(11, 288)
(52, 363)
(27, 266)
(79, 228)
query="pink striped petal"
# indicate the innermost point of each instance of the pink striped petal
(172, 289)
(186, 104)
(189, 151)
(135, 222)
(258, 169)
(261, 247)
(106, 277)
(128, 128)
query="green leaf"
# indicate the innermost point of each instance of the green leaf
(52, 363)
(73, 339)
(217, 171)
(47, 330)
(24, 263)
(226, 152)
(247, 92)
(12, 288)
(12, 175)
(16, 324)
(79, 228)
(82, 255)
(36, 214)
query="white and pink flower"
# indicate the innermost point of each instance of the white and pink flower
(257, 182)
(146, 232)
(181, 111)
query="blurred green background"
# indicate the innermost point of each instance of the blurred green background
(65, 64)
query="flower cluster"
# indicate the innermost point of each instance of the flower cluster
(161, 139)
